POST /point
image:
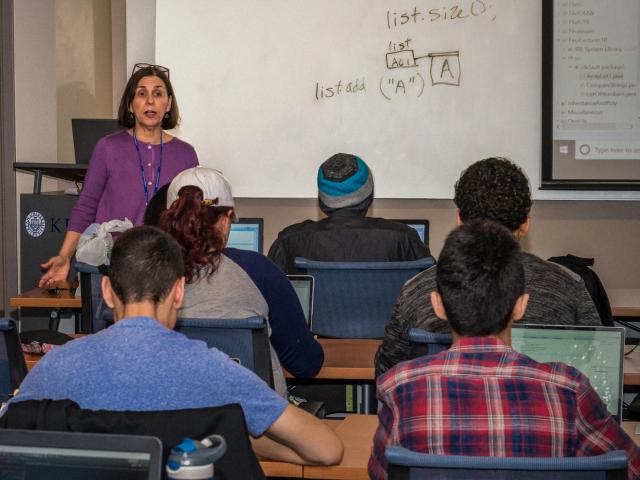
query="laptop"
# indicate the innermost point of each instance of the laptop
(247, 234)
(33, 455)
(420, 226)
(303, 286)
(87, 132)
(598, 352)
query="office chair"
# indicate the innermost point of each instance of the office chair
(245, 340)
(428, 343)
(404, 464)
(355, 299)
(94, 311)
(170, 426)
(13, 368)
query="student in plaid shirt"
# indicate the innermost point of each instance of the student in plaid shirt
(481, 397)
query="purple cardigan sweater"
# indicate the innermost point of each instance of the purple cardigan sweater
(113, 185)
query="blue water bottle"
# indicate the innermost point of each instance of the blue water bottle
(195, 460)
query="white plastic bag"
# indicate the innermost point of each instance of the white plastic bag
(95, 244)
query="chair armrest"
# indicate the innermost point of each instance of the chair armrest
(7, 324)
(252, 323)
(608, 461)
(421, 264)
(419, 335)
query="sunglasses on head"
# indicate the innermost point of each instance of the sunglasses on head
(141, 66)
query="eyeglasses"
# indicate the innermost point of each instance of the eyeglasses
(141, 66)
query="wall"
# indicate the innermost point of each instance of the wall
(83, 66)
(606, 230)
(35, 92)
(63, 69)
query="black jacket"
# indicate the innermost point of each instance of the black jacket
(170, 426)
(347, 236)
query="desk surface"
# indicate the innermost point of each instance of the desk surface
(40, 298)
(356, 433)
(625, 311)
(631, 367)
(347, 359)
(339, 352)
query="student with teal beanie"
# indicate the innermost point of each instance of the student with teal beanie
(345, 193)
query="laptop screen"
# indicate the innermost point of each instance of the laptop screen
(595, 351)
(32, 455)
(420, 226)
(303, 286)
(246, 234)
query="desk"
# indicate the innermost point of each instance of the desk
(631, 368)
(625, 312)
(339, 362)
(40, 298)
(347, 359)
(281, 469)
(356, 433)
(65, 171)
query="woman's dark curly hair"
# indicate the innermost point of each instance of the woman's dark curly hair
(494, 189)
(193, 225)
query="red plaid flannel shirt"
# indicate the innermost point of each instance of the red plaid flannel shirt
(483, 398)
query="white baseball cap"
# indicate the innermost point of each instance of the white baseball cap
(215, 187)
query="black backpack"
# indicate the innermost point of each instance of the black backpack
(594, 286)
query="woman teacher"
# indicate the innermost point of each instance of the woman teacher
(129, 166)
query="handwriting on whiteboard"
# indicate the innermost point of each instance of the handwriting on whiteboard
(406, 72)
(464, 11)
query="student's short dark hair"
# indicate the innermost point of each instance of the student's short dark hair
(145, 264)
(494, 189)
(126, 120)
(480, 276)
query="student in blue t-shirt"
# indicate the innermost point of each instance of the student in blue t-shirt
(141, 364)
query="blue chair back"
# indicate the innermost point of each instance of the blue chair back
(94, 310)
(13, 368)
(404, 464)
(428, 343)
(355, 299)
(245, 340)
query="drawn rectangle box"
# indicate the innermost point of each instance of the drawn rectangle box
(401, 59)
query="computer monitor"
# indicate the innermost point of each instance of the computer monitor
(247, 234)
(303, 286)
(420, 226)
(597, 352)
(33, 455)
(87, 132)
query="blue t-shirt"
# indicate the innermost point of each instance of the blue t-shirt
(138, 364)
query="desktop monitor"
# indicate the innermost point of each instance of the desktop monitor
(247, 234)
(33, 455)
(420, 226)
(596, 351)
(87, 132)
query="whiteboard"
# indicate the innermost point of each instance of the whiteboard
(269, 89)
